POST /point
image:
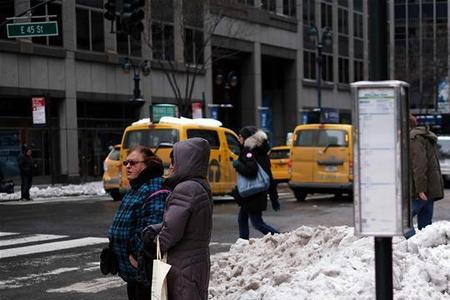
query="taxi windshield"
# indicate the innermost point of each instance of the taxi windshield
(150, 137)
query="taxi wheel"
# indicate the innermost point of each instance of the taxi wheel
(300, 195)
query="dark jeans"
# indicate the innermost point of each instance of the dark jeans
(424, 212)
(137, 291)
(257, 221)
(25, 186)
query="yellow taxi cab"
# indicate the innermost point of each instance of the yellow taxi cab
(112, 173)
(225, 146)
(322, 160)
(280, 163)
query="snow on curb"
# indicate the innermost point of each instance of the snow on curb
(331, 263)
(91, 188)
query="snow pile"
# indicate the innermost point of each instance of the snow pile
(91, 188)
(331, 263)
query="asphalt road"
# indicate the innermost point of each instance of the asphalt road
(49, 249)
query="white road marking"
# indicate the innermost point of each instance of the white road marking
(220, 244)
(7, 233)
(30, 239)
(27, 280)
(92, 286)
(48, 247)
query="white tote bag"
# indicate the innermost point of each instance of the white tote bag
(160, 270)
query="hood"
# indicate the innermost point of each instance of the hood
(256, 140)
(191, 160)
(424, 132)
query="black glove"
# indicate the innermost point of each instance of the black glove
(148, 235)
(108, 261)
(275, 204)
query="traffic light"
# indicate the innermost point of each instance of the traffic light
(132, 16)
(110, 7)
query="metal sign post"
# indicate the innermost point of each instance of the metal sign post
(381, 168)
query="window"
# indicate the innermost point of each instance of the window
(210, 135)
(289, 8)
(270, 5)
(150, 137)
(129, 44)
(163, 41)
(193, 46)
(308, 12)
(6, 11)
(444, 148)
(327, 15)
(358, 25)
(327, 68)
(53, 8)
(343, 70)
(343, 45)
(343, 21)
(279, 154)
(309, 65)
(358, 5)
(322, 138)
(90, 27)
(114, 154)
(233, 143)
(358, 70)
(358, 48)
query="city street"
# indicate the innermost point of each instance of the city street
(50, 249)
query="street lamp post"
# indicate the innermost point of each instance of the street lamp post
(137, 67)
(320, 38)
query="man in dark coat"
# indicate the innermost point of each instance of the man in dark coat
(25, 163)
(185, 233)
(427, 183)
(254, 152)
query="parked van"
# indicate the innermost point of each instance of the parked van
(322, 160)
(225, 146)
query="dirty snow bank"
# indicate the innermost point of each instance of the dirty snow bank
(331, 263)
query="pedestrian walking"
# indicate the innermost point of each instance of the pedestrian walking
(142, 205)
(254, 152)
(427, 182)
(25, 163)
(185, 233)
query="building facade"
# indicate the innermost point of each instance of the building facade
(254, 55)
(420, 33)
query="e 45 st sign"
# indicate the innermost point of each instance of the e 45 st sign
(18, 30)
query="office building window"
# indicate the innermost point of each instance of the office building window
(358, 70)
(6, 11)
(90, 27)
(308, 12)
(343, 70)
(327, 67)
(309, 65)
(358, 48)
(358, 5)
(358, 25)
(130, 45)
(53, 8)
(270, 5)
(343, 45)
(163, 41)
(289, 8)
(327, 15)
(343, 21)
(193, 46)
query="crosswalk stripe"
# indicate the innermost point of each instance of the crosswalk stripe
(49, 247)
(2, 234)
(91, 286)
(30, 239)
(29, 279)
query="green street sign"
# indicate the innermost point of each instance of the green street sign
(19, 30)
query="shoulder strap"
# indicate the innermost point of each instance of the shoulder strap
(158, 192)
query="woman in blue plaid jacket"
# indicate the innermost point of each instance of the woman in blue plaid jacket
(137, 210)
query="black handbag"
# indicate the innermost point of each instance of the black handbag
(108, 261)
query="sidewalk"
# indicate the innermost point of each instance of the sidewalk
(57, 191)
